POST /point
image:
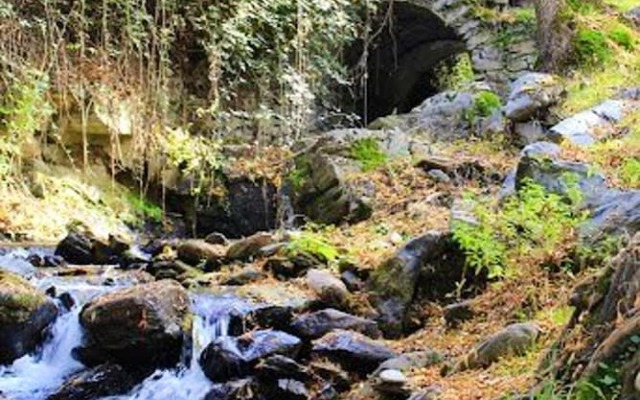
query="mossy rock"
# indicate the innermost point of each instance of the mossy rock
(24, 314)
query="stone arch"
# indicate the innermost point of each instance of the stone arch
(423, 33)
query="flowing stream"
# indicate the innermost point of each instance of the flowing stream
(36, 376)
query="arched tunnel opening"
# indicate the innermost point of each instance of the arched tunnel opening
(403, 61)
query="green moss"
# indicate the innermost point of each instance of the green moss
(145, 208)
(17, 299)
(300, 173)
(484, 104)
(622, 36)
(591, 47)
(630, 173)
(368, 154)
(314, 244)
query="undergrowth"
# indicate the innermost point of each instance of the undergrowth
(533, 223)
(368, 154)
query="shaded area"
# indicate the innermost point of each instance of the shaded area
(402, 59)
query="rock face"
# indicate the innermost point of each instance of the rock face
(425, 267)
(24, 315)
(95, 383)
(514, 339)
(450, 116)
(354, 351)
(144, 326)
(603, 333)
(531, 96)
(227, 358)
(317, 324)
(323, 188)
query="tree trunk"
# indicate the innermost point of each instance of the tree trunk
(554, 33)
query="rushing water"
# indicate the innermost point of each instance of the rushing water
(36, 376)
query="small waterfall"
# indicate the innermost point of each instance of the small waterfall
(211, 321)
(35, 376)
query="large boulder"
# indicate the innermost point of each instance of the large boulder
(144, 326)
(328, 287)
(531, 96)
(354, 351)
(599, 346)
(322, 181)
(317, 324)
(427, 267)
(25, 313)
(233, 357)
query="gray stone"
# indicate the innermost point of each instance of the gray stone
(319, 323)
(584, 129)
(515, 339)
(354, 351)
(408, 361)
(328, 287)
(531, 95)
(439, 176)
(529, 132)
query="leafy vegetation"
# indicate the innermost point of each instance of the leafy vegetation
(484, 104)
(368, 154)
(314, 244)
(532, 223)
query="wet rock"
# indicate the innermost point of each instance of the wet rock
(227, 358)
(413, 360)
(317, 324)
(144, 326)
(96, 383)
(354, 351)
(531, 96)
(246, 249)
(281, 367)
(426, 267)
(329, 288)
(515, 339)
(81, 247)
(198, 252)
(25, 313)
(46, 261)
(456, 313)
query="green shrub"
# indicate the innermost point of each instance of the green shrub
(484, 104)
(622, 36)
(145, 208)
(591, 47)
(532, 221)
(630, 173)
(368, 154)
(314, 244)
(454, 74)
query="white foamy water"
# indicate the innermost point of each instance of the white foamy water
(35, 376)
(211, 321)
